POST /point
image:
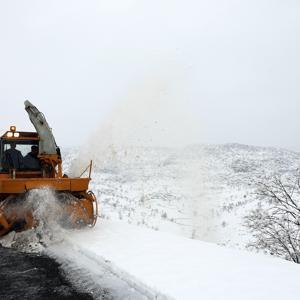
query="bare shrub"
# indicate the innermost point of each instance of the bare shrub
(275, 223)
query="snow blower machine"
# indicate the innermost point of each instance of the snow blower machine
(32, 161)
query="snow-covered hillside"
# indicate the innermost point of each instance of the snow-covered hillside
(200, 192)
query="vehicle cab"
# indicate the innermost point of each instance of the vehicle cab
(23, 141)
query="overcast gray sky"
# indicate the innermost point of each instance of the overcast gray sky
(233, 65)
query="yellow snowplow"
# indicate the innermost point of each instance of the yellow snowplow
(32, 160)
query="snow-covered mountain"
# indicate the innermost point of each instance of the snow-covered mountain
(200, 192)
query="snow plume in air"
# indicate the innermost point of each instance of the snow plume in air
(154, 112)
(142, 141)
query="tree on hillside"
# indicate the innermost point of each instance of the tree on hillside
(275, 224)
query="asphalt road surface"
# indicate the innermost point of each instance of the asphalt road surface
(32, 276)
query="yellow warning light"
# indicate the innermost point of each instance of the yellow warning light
(13, 128)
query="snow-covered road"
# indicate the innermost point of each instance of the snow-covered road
(156, 265)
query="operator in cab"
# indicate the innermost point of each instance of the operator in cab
(31, 161)
(13, 158)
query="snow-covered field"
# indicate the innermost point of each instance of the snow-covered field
(176, 201)
(201, 192)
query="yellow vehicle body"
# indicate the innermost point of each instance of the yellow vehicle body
(78, 205)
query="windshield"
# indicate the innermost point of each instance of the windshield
(22, 147)
(25, 149)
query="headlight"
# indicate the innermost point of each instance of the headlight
(9, 134)
(16, 134)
